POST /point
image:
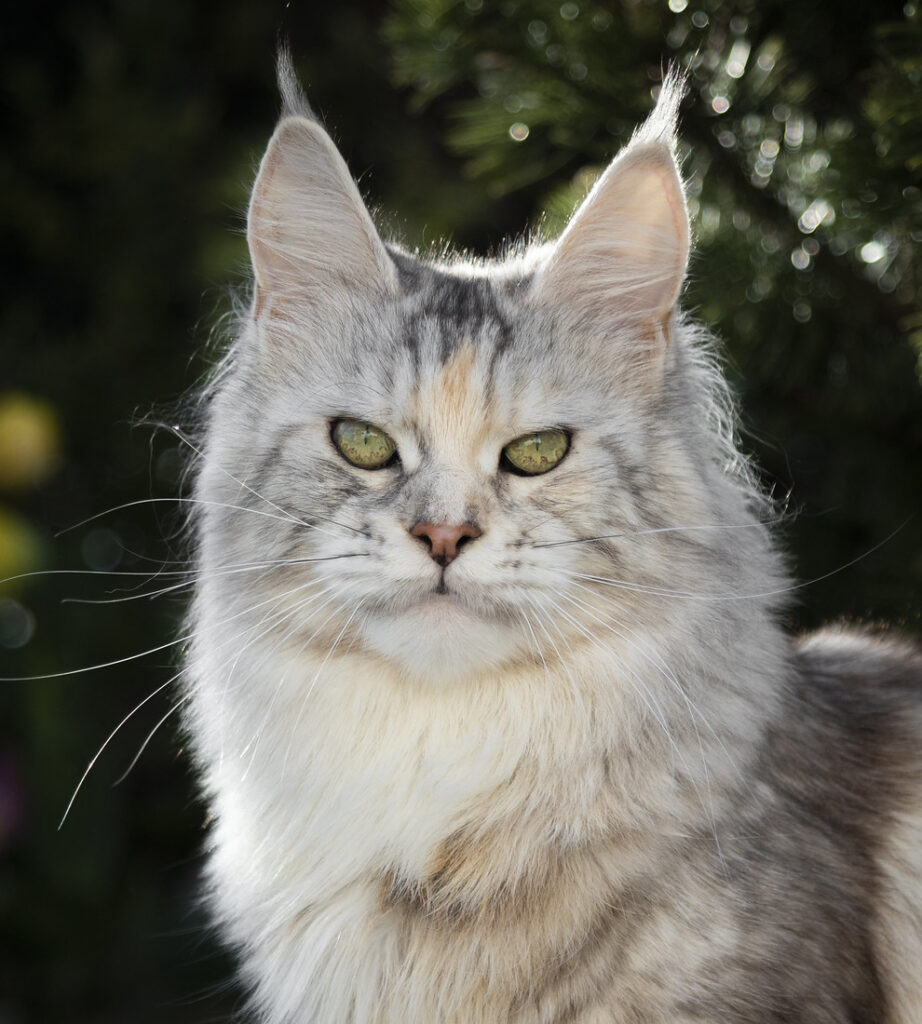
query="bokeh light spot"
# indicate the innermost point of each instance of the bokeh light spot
(871, 252)
(102, 550)
(30, 441)
(17, 623)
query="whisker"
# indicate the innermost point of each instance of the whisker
(182, 437)
(524, 618)
(285, 518)
(323, 664)
(666, 592)
(532, 599)
(148, 738)
(651, 705)
(134, 711)
(108, 740)
(645, 649)
(254, 740)
(151, 575)
(142, 654)
(273, 620)
(193, 580)
(649, 701)
(661, 529)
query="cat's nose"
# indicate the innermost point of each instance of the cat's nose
(445, 540)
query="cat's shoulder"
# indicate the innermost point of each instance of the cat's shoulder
(849, 731)
(855, 650)
(865, 681)
(855, 707)
(845, 744)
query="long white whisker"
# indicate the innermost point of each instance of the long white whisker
(524, 617)
(661, 529)
(650, 704)
(665, 592)
(285, 518)
(134, 710)
(148, 738)
(257, 735)
(193, 579)
(182, 437)
(655, 659)
(276, 617)
(108, 740)
(533, 601)
(643, 692)
(149, 574)
(142, 654)
(313, 682)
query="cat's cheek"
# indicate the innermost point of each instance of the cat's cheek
(441, 642)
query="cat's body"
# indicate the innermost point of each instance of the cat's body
(484, 746)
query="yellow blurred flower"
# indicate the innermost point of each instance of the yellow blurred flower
(30, 441)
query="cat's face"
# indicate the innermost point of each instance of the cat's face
(433, 447)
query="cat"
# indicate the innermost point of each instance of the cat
(488, 692)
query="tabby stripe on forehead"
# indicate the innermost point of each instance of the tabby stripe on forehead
(459, 308)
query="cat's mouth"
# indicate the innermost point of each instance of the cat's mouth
(461, 601)
(469, 598)
(443, 628)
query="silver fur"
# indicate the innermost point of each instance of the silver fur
(579, 775)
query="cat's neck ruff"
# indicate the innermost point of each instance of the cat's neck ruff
(348, 767)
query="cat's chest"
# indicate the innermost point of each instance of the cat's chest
(563, 944)
(477, 941)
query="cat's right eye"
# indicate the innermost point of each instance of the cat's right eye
(537, 453)
(363, 444)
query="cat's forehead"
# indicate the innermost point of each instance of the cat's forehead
(459, 350)
(444, 310)
(465, 349)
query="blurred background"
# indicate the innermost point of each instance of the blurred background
(131, 132)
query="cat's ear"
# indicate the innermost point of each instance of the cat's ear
(624, 253)
(308, 228)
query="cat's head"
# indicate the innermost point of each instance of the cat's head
(443, 461)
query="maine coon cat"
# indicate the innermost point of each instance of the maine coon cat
(488, 692)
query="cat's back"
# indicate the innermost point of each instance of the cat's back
(846, 753)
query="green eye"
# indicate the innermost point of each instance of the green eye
(536, 453)
(363, 445)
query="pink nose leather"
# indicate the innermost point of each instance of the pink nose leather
(445, 540)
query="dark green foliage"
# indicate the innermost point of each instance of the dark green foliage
(131, 131)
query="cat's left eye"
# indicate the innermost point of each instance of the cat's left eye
(533, 454)
(363, 444)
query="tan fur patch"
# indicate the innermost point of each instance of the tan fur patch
(456, 382)
(462, 882)
(454, 406)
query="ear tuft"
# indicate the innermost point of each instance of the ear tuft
(294, 102)
(662, 122)
(624, 253)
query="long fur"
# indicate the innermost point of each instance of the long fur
(580, 774)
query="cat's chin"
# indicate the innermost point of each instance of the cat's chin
(441, 640)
